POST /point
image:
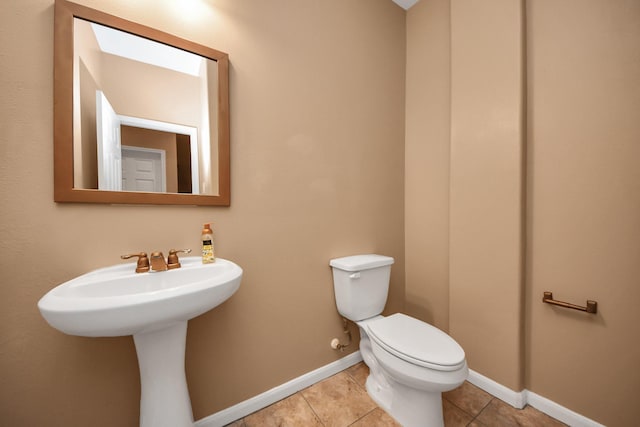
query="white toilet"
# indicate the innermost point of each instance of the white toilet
(410, 362)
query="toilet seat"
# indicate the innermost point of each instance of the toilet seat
(416, 342)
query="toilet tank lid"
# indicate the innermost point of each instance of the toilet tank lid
(361, 262)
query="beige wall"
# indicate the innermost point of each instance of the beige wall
(427, 157)
(581, 190)
(486, 232)
(317, 125)
(584, 205)
(463, 227)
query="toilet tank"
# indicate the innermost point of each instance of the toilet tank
(361, 285)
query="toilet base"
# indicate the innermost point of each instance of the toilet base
(408, 406)
(410, 394)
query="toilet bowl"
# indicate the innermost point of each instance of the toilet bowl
(410, 362)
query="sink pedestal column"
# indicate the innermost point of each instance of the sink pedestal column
(164, 397)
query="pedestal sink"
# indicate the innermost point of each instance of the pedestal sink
(154, 307)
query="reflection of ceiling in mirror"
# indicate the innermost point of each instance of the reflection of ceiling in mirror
(140, 49)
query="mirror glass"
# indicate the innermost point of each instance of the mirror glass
(144, 113)
(148, 114)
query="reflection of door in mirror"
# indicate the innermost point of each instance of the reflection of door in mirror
(109, 151)
(140, 166)
(143, 169)
(177, 93)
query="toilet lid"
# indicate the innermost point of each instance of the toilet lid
(417, 342)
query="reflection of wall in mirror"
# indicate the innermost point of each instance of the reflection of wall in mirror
(86, 74)
(139, 90)
(209, 170)
(86, 152)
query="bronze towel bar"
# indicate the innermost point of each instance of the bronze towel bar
(592, 306)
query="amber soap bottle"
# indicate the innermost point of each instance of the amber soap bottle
(208, 255)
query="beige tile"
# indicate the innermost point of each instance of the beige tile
(293, 411)
(499, 413)
(454, 416)
(342, 401)
(359, 372)
(339, 400)
(469, 398)
(376, 418)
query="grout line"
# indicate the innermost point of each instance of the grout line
(473, 417)
(485, 406)
(311, 407)
(361, 388)
(474, 421)
(482, 410)
(346, 371)
(363, 416)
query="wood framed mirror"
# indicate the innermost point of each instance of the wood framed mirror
(148, 126)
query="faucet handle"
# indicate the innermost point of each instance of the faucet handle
(173, 261)
(143, 261)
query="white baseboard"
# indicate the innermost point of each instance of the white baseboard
(269, 397)
(525, 397)
(559, 412)
(514, 398)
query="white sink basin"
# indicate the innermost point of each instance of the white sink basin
(154, 307)
(115, 301)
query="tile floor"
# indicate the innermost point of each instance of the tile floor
(342, 400)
